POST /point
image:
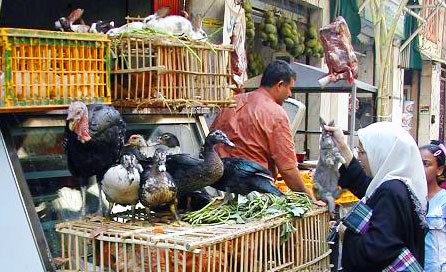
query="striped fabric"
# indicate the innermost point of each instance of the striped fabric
(404, 262)
(358, 220)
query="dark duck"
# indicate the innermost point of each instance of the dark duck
(241, 176)
(157, 187)
(94, 139)
(121, 183)
(191, 174)
(171, 141)
(191, 200)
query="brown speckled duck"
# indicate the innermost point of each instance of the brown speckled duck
(157, 187)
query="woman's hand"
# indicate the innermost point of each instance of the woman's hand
(338, 136)
(340, 141)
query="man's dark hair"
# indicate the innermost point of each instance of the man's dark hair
(276, 71)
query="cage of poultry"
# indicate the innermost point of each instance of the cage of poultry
(47, 69)
(153, 70)
(255, 246)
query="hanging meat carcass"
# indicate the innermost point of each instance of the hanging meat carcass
(339, 56)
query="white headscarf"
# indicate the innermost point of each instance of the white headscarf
(393, 154)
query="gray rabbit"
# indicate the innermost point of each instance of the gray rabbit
(326, 174)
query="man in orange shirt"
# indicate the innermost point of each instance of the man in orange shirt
(260, 129)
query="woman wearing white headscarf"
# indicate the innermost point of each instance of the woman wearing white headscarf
(385, 231)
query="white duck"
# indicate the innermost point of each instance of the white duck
(121, 183)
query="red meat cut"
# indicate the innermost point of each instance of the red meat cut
(339, 56)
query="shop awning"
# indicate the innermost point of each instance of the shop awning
(307, 79)
(410, 57)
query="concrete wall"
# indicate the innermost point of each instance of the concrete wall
(435, 102)
(429, 103)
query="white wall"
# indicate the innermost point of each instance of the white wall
(435, 101)
(429, 102)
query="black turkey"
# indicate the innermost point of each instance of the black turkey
(94, 139)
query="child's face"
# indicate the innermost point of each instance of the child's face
(431, 168)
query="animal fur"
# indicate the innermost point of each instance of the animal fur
(326, 174)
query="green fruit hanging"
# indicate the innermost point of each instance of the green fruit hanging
(290, 36)
(268, 30)
(250, 27)
(313, 46)
(255, 64)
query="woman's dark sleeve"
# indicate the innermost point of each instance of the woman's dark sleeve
(383, 242)
(354, 178)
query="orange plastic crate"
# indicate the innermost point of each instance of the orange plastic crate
(345, 198)
(47, 69)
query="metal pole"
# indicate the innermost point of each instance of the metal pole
(352, 118)
(415, 15)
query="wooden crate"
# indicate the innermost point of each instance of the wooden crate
(154, 71)
(107, 246)
(45, 69)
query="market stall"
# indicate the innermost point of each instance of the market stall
(255, 246)
(307, 82)
(160, 85)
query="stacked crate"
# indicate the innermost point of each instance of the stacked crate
(46, 69)
(255, 246)
(154, 71)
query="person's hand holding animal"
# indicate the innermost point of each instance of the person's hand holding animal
(339, 139)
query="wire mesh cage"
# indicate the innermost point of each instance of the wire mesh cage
(256, 246)
(41, 69)
(162, 71)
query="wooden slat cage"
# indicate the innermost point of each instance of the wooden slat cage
(156, 71)
(256, 246)
(44, 69)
